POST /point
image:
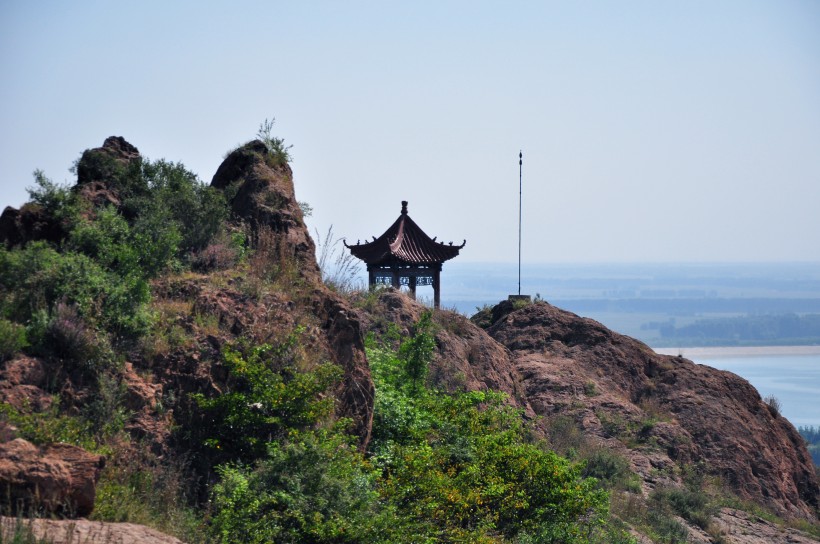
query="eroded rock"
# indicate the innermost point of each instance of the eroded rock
(56, 479)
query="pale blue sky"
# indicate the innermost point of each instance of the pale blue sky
(651, 131)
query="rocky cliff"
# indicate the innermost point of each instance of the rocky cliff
(670, 410)
(666, 415)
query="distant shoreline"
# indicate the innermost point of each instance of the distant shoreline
(738, 351)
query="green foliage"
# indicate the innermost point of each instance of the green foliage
(475, 474)
(313, 487)
(58, 201)
(94, 286)
(690, 502)
(277, 150)
(416, 353)
(50, 426)
(464, 467)
(608, 467)
(136, 487)
(442, 468)
(176, 201)
(266, 395)
(667, 529)
(12, 339)
(105, 413)
(38, 277)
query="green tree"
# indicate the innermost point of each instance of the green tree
(266, 396)
(416, 353)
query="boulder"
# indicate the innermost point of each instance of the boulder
(101, 164)
(58, 479)
(83, 531)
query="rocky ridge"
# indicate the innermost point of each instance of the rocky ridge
(667, 415)
(662, 413)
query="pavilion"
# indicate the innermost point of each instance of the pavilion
(405, 255)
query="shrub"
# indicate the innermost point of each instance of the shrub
(312, 487)
(58, 201)
(773, 403)
(265, 396)
(416, 353)
(137, 487)
(38, 278)
(607, 467)
(277, 150)
(12, 339)
(463, 467)
(668, 530)
(691, 504)
(68, 337)
(50, 426)
(177, 196)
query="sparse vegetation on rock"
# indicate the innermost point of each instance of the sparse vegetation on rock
(173, 349)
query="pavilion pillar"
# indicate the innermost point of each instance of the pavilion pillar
(371, 277)
(412, 284)
(436, 289)
(395, 280)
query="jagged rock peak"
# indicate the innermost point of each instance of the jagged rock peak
(260, 191)
(99, 163)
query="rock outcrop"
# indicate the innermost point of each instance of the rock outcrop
(82, 531)
(669, 410)
(261, 193)
(100, 171)
(31, 222)
(260, 190)
(56, 479)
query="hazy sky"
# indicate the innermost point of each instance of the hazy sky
(651, 131)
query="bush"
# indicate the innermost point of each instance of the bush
(312, 487)
(691, 504)
(137, 487)
(608, 467)
(177, 198)
(773, 403)
(57, 201)
(266, 395)
(277, 150)
(12, 339)
(38, 278)
(463, 467)
(416, 353)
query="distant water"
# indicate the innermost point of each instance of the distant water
(793, 379)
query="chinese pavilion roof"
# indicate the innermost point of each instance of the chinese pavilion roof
(406, 242)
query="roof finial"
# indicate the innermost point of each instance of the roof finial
(404, 207)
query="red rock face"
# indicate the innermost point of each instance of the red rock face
(58, 479)
(677, 412)
(263, 196)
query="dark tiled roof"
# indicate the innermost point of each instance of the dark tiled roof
(405, 241)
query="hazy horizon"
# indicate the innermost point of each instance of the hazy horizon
(651, 132)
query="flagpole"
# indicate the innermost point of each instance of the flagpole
(520, 162)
